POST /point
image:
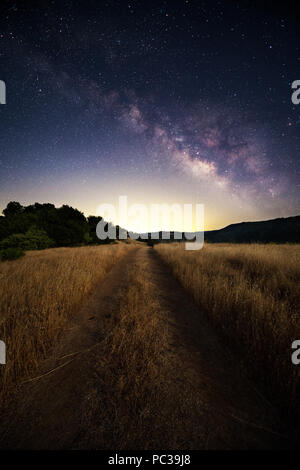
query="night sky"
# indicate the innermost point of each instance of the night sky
(163, 101)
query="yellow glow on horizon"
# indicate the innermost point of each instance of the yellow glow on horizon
(220, 207)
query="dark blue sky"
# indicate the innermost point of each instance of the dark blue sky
(165, 101)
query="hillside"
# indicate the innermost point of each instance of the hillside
(281, 230)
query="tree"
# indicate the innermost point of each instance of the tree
(13, 208)
(43, 225)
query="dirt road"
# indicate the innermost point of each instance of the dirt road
(214, 405)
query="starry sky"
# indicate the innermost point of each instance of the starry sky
(162, 101)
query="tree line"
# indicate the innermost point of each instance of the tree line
(40, 226)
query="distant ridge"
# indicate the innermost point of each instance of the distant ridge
(280, 230)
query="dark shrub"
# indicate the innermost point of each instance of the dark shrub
(11, 253)
(33, 239)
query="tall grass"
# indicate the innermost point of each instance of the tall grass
(38, 294)
(251, 294)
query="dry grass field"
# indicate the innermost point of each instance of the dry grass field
(152, 389)
(135, 375)
(138, 366)
(251, 295)
(38, 295)
(150, 393)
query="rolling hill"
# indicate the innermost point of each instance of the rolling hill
(280, 230)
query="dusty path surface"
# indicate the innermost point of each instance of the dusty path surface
(214, 407)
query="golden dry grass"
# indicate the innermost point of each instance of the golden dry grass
(148, 387)
(251, 295)
(38, 295)
(154, 391)
(143, 403)
(139, 401)
(134, 361)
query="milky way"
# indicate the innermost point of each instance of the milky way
(164, 101)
